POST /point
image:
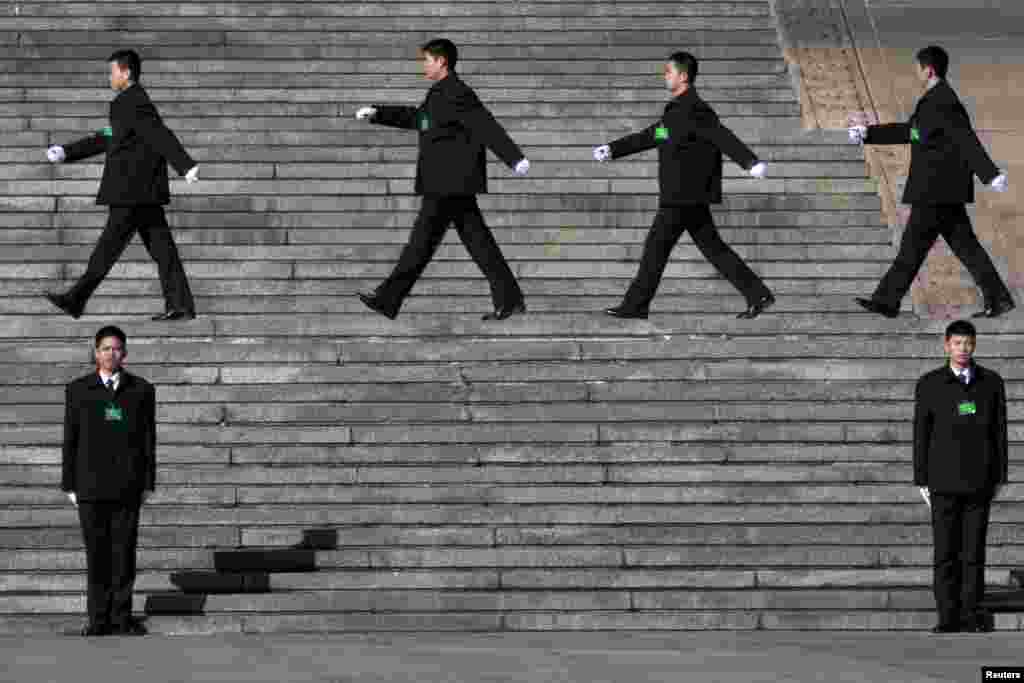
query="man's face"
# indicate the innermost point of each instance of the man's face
(109, 355)
(434, 68)
(674, 78)
(119, 76)
(960, 349)
(924, 72)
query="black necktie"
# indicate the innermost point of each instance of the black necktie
(110, 384)
(963, 377)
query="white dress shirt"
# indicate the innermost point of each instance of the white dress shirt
(116, 377)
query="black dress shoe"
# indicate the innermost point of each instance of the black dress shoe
(96, 630)
(133, 627)
(875, 307)
(503, 313)
(175, 315)
(995, 310)
(375, 304)
(757, 307)
(977, 626)
(63, 304)
(946, 628)
(620, 312)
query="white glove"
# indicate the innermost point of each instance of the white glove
(365, 113)
(758, 170)
(193, 174)
(926, 494)
(73, 498)
(602, 153)
(858, 134)
(999, 183)
(55, 154)
(523, 166)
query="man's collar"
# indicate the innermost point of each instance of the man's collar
(118, 377)
(687, 96)
(954, 376)
(444, 81)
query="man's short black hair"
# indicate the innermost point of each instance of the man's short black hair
(128, 59)
(961, 328)
(684, 61)
(111, 331)
(934, 56)
(442, 47)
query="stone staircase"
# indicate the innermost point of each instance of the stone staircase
(323, 468)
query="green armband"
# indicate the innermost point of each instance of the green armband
(106, 132)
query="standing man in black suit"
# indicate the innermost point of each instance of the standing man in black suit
(138, 148)
(690, 141)
(960, 463)
(108, 471)
(455, 129)
(945, 154)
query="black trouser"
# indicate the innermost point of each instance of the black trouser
(431, 224)
(668, 227)
(110, 530)
(151, 224)
(925, 225)
(959, 526)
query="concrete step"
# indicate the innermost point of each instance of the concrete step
(82, 114)
(171, 352)
(397, 234)
(479, 454)
(911, 511)
(286, 151)
(389, 253)
(659, 620)
(624, 268)
(608, 288)
(447, 413)
(184, 475)
(181, 49)
(648, 91)
(412, 8)
(408, 77)
(645, 200)
(434, 325)
(345, 302)
(819, 172)
(579, 557)
(554, 29)
(161, 62)
(444, 493)
(505, 602)
(70, 537)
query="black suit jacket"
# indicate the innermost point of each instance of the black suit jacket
(689, 151)
(956, 451)
(947, 154)
(455, 130)
(105, 459)
(138, 148)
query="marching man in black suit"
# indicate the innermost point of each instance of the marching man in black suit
(690, 141)
(455, 129)
(960, 463)
(945, 155)
(138, 148)
(108, 471)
